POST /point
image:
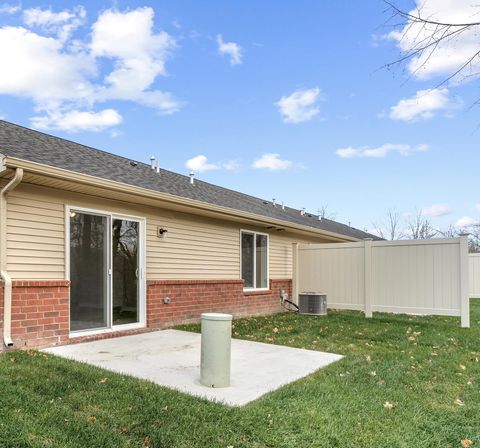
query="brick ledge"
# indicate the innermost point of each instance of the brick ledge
(192, 282)
(263, 292)
(38, 283)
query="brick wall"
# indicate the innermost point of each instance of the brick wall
(40, 309)
(39, 313)
(190, 298)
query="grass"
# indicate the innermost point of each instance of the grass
(426, 368)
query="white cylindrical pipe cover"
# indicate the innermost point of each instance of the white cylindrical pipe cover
(216, 349)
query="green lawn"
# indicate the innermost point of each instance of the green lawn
(404, 382)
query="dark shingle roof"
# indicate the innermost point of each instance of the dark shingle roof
(27, 144)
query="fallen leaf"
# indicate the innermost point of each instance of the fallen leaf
(388, 405)
(275, 330)
(373, 373)
(466, 443)
(458, 402)
(463, 367)
(103, 380)
(91, 419)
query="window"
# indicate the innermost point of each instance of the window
(254, 260)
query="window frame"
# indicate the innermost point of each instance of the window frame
(255, 233)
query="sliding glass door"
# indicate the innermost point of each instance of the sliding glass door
(125, 294)
(105, 271)
(88, 271)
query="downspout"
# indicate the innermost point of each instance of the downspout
(7, 281)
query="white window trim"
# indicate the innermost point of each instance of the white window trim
(255, 233)
(142, 291)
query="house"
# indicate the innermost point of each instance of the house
(95, 245)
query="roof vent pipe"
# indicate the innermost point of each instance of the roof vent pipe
(152, 162)
(283, 206)
(303, 211)
(157, 168)
(192, 178)
(274, 202)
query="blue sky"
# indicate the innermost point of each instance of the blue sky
(283, 99)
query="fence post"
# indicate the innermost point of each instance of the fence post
(368, 276)
(295, 273)
(464, 286)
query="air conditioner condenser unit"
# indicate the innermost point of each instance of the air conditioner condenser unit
(312, 303)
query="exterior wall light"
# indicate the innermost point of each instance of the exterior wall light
(162, 232)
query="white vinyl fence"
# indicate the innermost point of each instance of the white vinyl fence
(474, 274)
(413, 277)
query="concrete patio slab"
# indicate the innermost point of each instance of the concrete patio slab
(171, 358)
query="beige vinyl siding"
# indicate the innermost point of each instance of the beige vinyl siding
(196, 247)
(35, 237)
(281, 253)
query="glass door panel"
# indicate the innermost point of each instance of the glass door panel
(261, 261)
(88, 271)
(125, 259)
(248, 260)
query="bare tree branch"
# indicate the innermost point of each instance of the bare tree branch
(425, 42)
(390, 228)
(419, 227)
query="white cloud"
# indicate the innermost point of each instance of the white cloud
(300, 106)
(36, 67)
(423, 105)
(231, 49)
(200, 164)
(62, 76)
(436, 210)
(380, 151)
(7, 8)
(139, 56)
(62, 23)
(271, 162)
(448, 55)
(231, 165)
(74, 121)
(467, 221)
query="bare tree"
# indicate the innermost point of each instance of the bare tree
(474, 239)
(450, 232)
(390, 228)
(419, 227)
(422, 35)
(325, 213)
